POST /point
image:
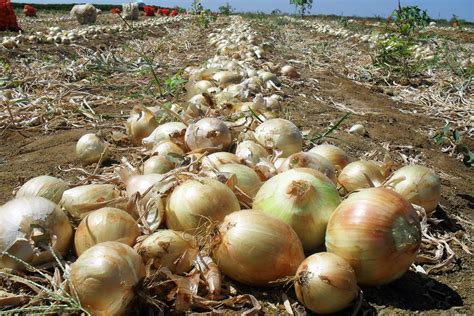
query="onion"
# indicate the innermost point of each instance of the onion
(224, 78)
(83, 199)
(171, 131)
(326, 283)
(301, 200)
(361, 174)
(378, 232)
(105, 277)
(309, 160)
(167, 148)
(141, 123)
(251, 152)
(48, 187)
(334, 154)
(208, 134)
(27, 218)
(157, 164)
(255, 249)
(194, 203)
(90, 148)
(418, 184)
(202, 86)
(218, 159)
(358, 129)
(247, 181)
(280, 134)
(289, 71)
(105, 224)
(171, 249)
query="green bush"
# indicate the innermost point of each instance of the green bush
(410, 18)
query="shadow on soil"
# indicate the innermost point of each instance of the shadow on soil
(414, 292)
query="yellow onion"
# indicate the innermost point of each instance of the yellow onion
(309, 160)
(157, 164)
(361, 174)
(219, 158)
(325, 283)
(301, 200)
(208, 134)
(174, 250)
(105, 277)
(247, 181)
(105, 224)
(167, 148)
(251, 152)
(90, 148)
(418, 184)
(83, 199)
(197, 202)
(224, 78)
(334, 154)
(289, 71)
(23, 220)
(202, 86)
(255, 249)
(141, 123)
(171, 131)
(377, 232)
(48, 187)
(280, 134)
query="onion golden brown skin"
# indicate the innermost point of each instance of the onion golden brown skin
(280, 134)
(377, 232)
(141, 123)
(48, 187)
(105, 224)
(105, 277)
(90, 148)
(209, 134)
(309, 160)
(334, 154)
(255, 249)
(326, 283)
(361, 174)
(251, 152)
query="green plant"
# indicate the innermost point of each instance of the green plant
(454, 140)
(409, 18)
(303, 6)
(173, 83)
(226, 9)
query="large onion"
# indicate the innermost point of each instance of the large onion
(91, 148)
(301, 200)
(105, 277)
(378, 232)
(171, 249)
(326, 283)
(48, 187)
(83, 199)
(141, 123)
(105, 224)
(255, 249)
(418, 184)
(361, 175)
(171, 131)
(334, 154)
(309, 160)
(194, 203)
(251, 152)
(208, 134)
(280, 134)
(157, 164)
(27, 218)
(247, 181)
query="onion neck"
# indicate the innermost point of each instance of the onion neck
(301, 190)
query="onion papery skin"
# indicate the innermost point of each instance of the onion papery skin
(209, 134)
(377, 232)
(195, 203)
(218, 159)
(81, 200)
(105, 224)
(171, 131)
(90, 148)
(15, 230)
(309, 160)
(251, 152)
(105, 277)
(167, 148)
(247, 181)
(48, 187)
(418, 184)
(334, 154)
(141, 123)
(256, 249)
(280, 134)
(174, 250)
(326, 283)
(357, 174)
(301, 200)
(157, 165)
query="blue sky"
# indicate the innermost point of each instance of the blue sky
(436, 8)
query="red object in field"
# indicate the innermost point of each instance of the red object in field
(174, 13)
(29, 10)
(162, 11)
(149, 10)
(7, 17)
(116, 10)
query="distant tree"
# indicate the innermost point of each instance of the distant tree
(303, 6)
(276, 12)
(226, 9)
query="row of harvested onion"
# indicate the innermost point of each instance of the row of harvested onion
(242, 196)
